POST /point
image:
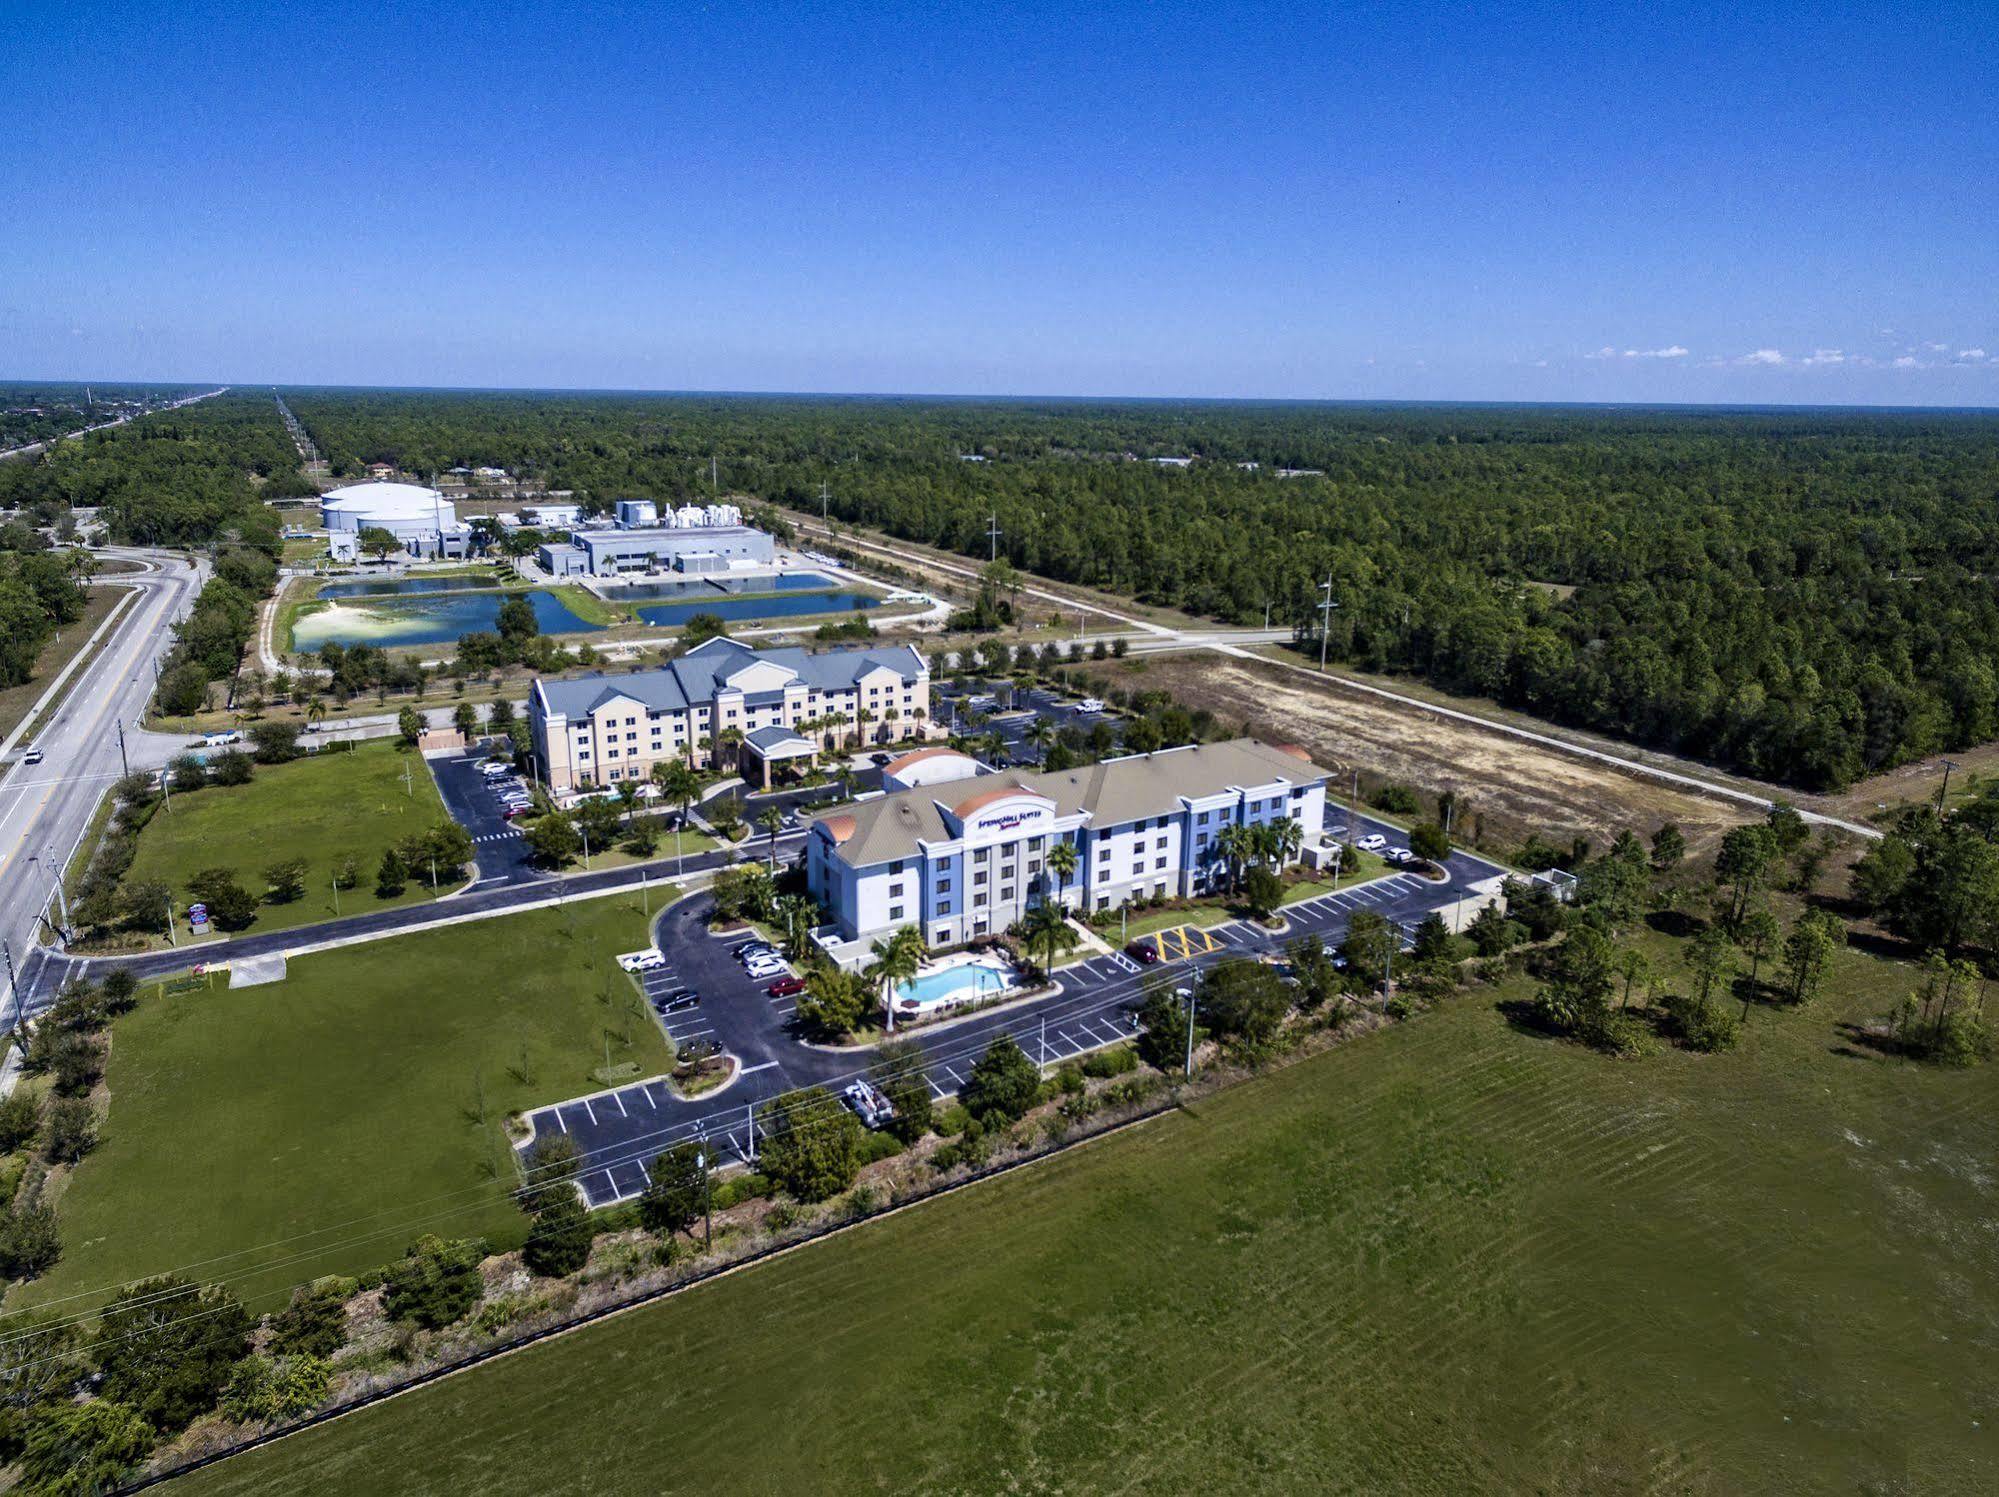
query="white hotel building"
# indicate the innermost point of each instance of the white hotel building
(967, 858)
(778, 704)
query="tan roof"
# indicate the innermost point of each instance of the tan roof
(1118, 790)
(897, 766)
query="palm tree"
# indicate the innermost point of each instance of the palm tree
(1234, 846)
(315, 710)
(1040, 734)
(1286, 837)
(679, 783)
(1062, 860)
(896, 960)
(795, 913)
(771, 819)
(1047, 927)
(731, 740)
(837, 721)
(994, 748)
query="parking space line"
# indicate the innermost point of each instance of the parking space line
(589, 1109)
(619, 1098)
(556, 1113)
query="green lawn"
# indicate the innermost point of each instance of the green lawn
(318, 1125)
(1449, 1258)
(318, 808)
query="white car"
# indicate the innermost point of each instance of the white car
(1090, 704)
(868, 1103)
(768, 966)
(494, 767)
(1397, 855)
(1373, 843)
(649, 960)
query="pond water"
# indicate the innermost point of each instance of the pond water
(718, 587)
(790, 605)
(425, 621)
(381, 587)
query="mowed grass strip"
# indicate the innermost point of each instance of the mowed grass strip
(322, 808)
(318, 1125)
(1449, 1258)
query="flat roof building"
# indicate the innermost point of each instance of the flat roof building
(712, 548)
(421, 519)
(969, 857)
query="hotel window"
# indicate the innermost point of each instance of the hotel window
(1158, 863)
(943, 886)
(979, 879)
(944, 907)
(1006, 893)
(895, 912)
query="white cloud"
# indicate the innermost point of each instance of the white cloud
(1937, 347)
(1673, 351)
(1971, 355)
(1762, 356)
(1907, 361)
(1820, 356)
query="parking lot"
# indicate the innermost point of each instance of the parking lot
(471, 798)
(1012, 714)
(1096, 1004)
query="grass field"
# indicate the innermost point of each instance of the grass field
(319, 808)
(320, 1124)
(1452, 1257)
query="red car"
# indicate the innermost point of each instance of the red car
(1145, 951)
(784, 987)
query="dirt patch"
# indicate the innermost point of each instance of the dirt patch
(1509, 787)
(1914, 783)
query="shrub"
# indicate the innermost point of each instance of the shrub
(120, 990)
(20, 1121)
(72, 1129)
(1396, 800)
(84, 1447)
(1115, 1061)
(558, 1243)
(814, 1145)
(232, 767)
(264, 1389)
(1701, 1024)
(750, 1186)
(79, 1064)
(166, 1348)
(314, 1324)
(1004, 1083)
(30, 1243)
(435, 1283)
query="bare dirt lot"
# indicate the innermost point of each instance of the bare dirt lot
(1510, 787)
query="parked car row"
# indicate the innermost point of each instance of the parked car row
(508, 788)
(761, 960)
(868, 1103)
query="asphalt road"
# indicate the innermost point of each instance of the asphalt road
(619, 1131)
(45, 808)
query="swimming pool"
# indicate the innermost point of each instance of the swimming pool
(953, 981)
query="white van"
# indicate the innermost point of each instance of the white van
(1090, 704)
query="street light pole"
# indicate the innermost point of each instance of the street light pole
(14, 996)
(1190, 1033)
(123, 763)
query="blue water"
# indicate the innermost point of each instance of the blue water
(959, 984)
(791, 606)
(430, 621)
(717, 587)
(391, 586)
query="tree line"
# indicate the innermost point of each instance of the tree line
(1805, 596)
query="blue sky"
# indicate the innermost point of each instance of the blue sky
(1588, 202)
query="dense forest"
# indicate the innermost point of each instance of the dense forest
(36, 412)
(185, 477)
(1802, 595)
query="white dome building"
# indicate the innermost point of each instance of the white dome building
(423, 520)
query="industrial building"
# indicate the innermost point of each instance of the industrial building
(723, 699)
(422, 520)
(961, 858)
(708, 549)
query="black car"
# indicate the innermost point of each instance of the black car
(676, 1002)
(749, 949)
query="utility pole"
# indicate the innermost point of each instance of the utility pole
(14, 995)
(173, 937)
(713, 482)
(334, 879)
(1393, 939)
(1944, 789)
(707, 1192)
(123, 763)
(993, 533)
(1190, 1033)
(824, 512)
(1326, 607)
(1044, 1042)
(752, 1111)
